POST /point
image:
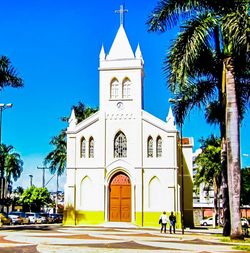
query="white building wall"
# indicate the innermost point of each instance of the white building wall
(94, 192)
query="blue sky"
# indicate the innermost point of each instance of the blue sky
(55, 47)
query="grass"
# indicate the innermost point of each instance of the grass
(240, 243)
(242, 247)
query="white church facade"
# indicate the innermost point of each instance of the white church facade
(122, 162)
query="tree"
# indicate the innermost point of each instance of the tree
(35, 198)
(8, 74)
(15, 196)
(245, 186)
(209, 168)
(11, 167)
(205, 33)
(56, 159)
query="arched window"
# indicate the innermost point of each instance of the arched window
(150, 146)
(120, 145)
(91, 147)
(126, 88)
(114, 89)
(158, 147)
(83, 148)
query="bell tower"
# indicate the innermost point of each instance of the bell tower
(121, 73)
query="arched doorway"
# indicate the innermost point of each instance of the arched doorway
(120, 198)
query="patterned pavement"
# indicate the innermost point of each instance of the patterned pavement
(53, 239)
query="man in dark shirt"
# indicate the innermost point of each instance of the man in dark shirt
(172, 220)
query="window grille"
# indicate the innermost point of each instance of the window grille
(91, 147)
(150, 146)
(83, 147)
(114, 89)
(126, 88)
(159, 147)
(120, 145)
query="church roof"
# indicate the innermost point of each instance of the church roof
(120, 48)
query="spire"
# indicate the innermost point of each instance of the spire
(138, 54)
(120, 48)
(72, 119)
(102, 54)
(170, 119)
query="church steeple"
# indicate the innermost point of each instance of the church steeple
(120, 48)
(121, 76)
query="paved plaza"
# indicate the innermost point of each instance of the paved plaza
(116, 238)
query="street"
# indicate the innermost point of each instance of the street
(109, 238)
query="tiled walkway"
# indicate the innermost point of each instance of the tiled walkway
(52, 239)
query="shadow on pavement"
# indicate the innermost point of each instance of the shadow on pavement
(23, 249)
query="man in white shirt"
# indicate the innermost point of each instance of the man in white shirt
(163, 221)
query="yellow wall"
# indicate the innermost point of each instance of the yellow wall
(151, 219)
(83, 217)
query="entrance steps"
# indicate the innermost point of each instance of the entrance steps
(111, 224)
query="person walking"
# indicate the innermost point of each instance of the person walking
(163, 221)
(172, 220)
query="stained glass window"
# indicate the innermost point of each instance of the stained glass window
(158, 147)
(150, 146)
(83, 148)
(91, 147)
(120, 145)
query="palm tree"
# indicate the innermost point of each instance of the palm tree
(11, 167)
(209, 168)
(56, 159)
(8, 75)
(206, 33)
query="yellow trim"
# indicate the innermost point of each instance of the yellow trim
(83, 217)
(151, 219)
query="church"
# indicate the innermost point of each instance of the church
(123, 162)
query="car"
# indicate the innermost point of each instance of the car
(207, 222)
(60, 217)
(4, 219)
(16, 218)
(56, 218)
(25, 218)
(244, 222)
(34, 217)
(44, 217)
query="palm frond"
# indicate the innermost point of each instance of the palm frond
(196, 94)
(8, 74)
(168, 13)
(236, 28)
(190, 44)
(214, 112)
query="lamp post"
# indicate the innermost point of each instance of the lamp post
(2, 182)
(2, 108)
(174, 101)
(31, 177)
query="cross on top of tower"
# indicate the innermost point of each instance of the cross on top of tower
(121, 11)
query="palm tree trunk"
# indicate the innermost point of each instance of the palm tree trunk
(224, 180)
(216, 201)
(233, 150)
(224, 190)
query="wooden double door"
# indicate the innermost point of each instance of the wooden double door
(120, 198)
